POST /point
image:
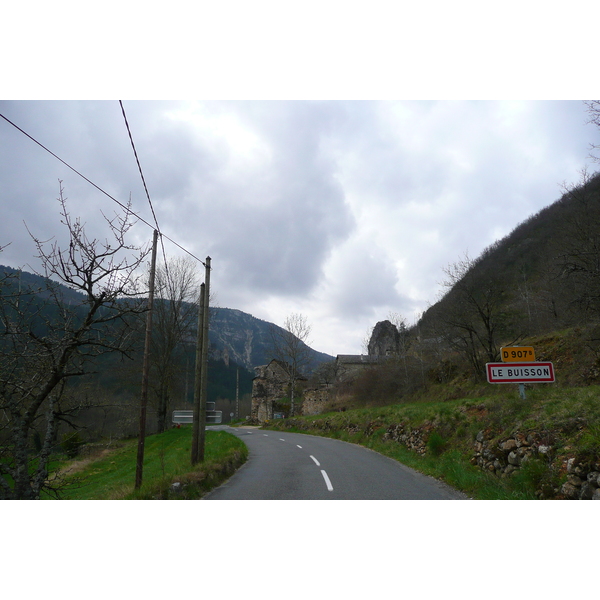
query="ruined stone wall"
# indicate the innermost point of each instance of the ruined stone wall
(268, 386)
(315, 400)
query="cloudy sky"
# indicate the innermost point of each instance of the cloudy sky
(344, 211)
(340, 209)
(331, 182)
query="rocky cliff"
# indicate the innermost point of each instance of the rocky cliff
(245, 339)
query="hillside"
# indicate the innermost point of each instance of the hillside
(246, 339)
(544, 276)
(538, 286)
(234, 335)
(238, 343)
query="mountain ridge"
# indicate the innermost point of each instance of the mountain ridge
(233, 334)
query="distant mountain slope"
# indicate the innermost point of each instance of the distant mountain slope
(235, 334)
(39, 285)
(246, 339)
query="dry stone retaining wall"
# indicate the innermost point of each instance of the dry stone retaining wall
(508, 455)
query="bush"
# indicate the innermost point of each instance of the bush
(71, 444)
(436, 444)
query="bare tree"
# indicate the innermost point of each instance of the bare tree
(404, 339)
(579, 259)
(593, 109)
(48, 338)
(175, 319)
(471, 317)
(289, 346)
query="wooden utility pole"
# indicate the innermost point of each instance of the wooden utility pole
(198, 378)
(145, 369)
(204, 374)
(237, 394)
(201, 376)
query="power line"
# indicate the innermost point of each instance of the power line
(139, 166)
(146, 188)
(126, 208)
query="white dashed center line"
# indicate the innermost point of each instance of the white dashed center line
(281, 440)
(327, 482)
(316, 461)
(298, 446)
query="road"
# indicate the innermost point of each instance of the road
(294, 466)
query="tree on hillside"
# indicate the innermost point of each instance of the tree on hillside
(174, 322)
(471, 317)
(579, 259)
(404, 338)
(593, 109)
(289, 346)
(46, 342)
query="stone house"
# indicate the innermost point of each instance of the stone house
(269, 387)
(348, 366)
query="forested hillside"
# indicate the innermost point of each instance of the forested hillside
(108, 397)
(540, 284)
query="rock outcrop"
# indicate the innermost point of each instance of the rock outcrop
(385, 340)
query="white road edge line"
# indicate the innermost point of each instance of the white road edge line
(327, 482)
(316, 461)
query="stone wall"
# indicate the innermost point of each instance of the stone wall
(508, 455)
(315, 400)
(269, 385)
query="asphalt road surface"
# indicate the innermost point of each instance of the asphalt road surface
(294, 466)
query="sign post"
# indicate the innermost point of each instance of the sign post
(512, 370)
(533, 372)
(517, 354)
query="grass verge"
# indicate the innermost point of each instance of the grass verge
(166, 461)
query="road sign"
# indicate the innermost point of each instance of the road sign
(214, 416)
(517, 353)
(531, 372)
(187, 416)
(183, 416)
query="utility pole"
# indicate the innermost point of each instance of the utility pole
(237, 394)
(201, 377)
(198, 378)
(204, 374)
(145, 369)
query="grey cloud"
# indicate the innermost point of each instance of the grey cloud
(328, 201)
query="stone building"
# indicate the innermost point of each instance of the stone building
(315, 400)
(271, 383)
(269, 387)
(348, 366)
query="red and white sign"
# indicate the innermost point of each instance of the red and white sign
(532, 372)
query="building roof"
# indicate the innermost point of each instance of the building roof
(353, 359)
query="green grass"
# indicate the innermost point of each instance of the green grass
(166, 460)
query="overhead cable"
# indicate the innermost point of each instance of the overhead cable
(126, 208)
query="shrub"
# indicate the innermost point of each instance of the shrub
(71, 444)
(436, 444)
